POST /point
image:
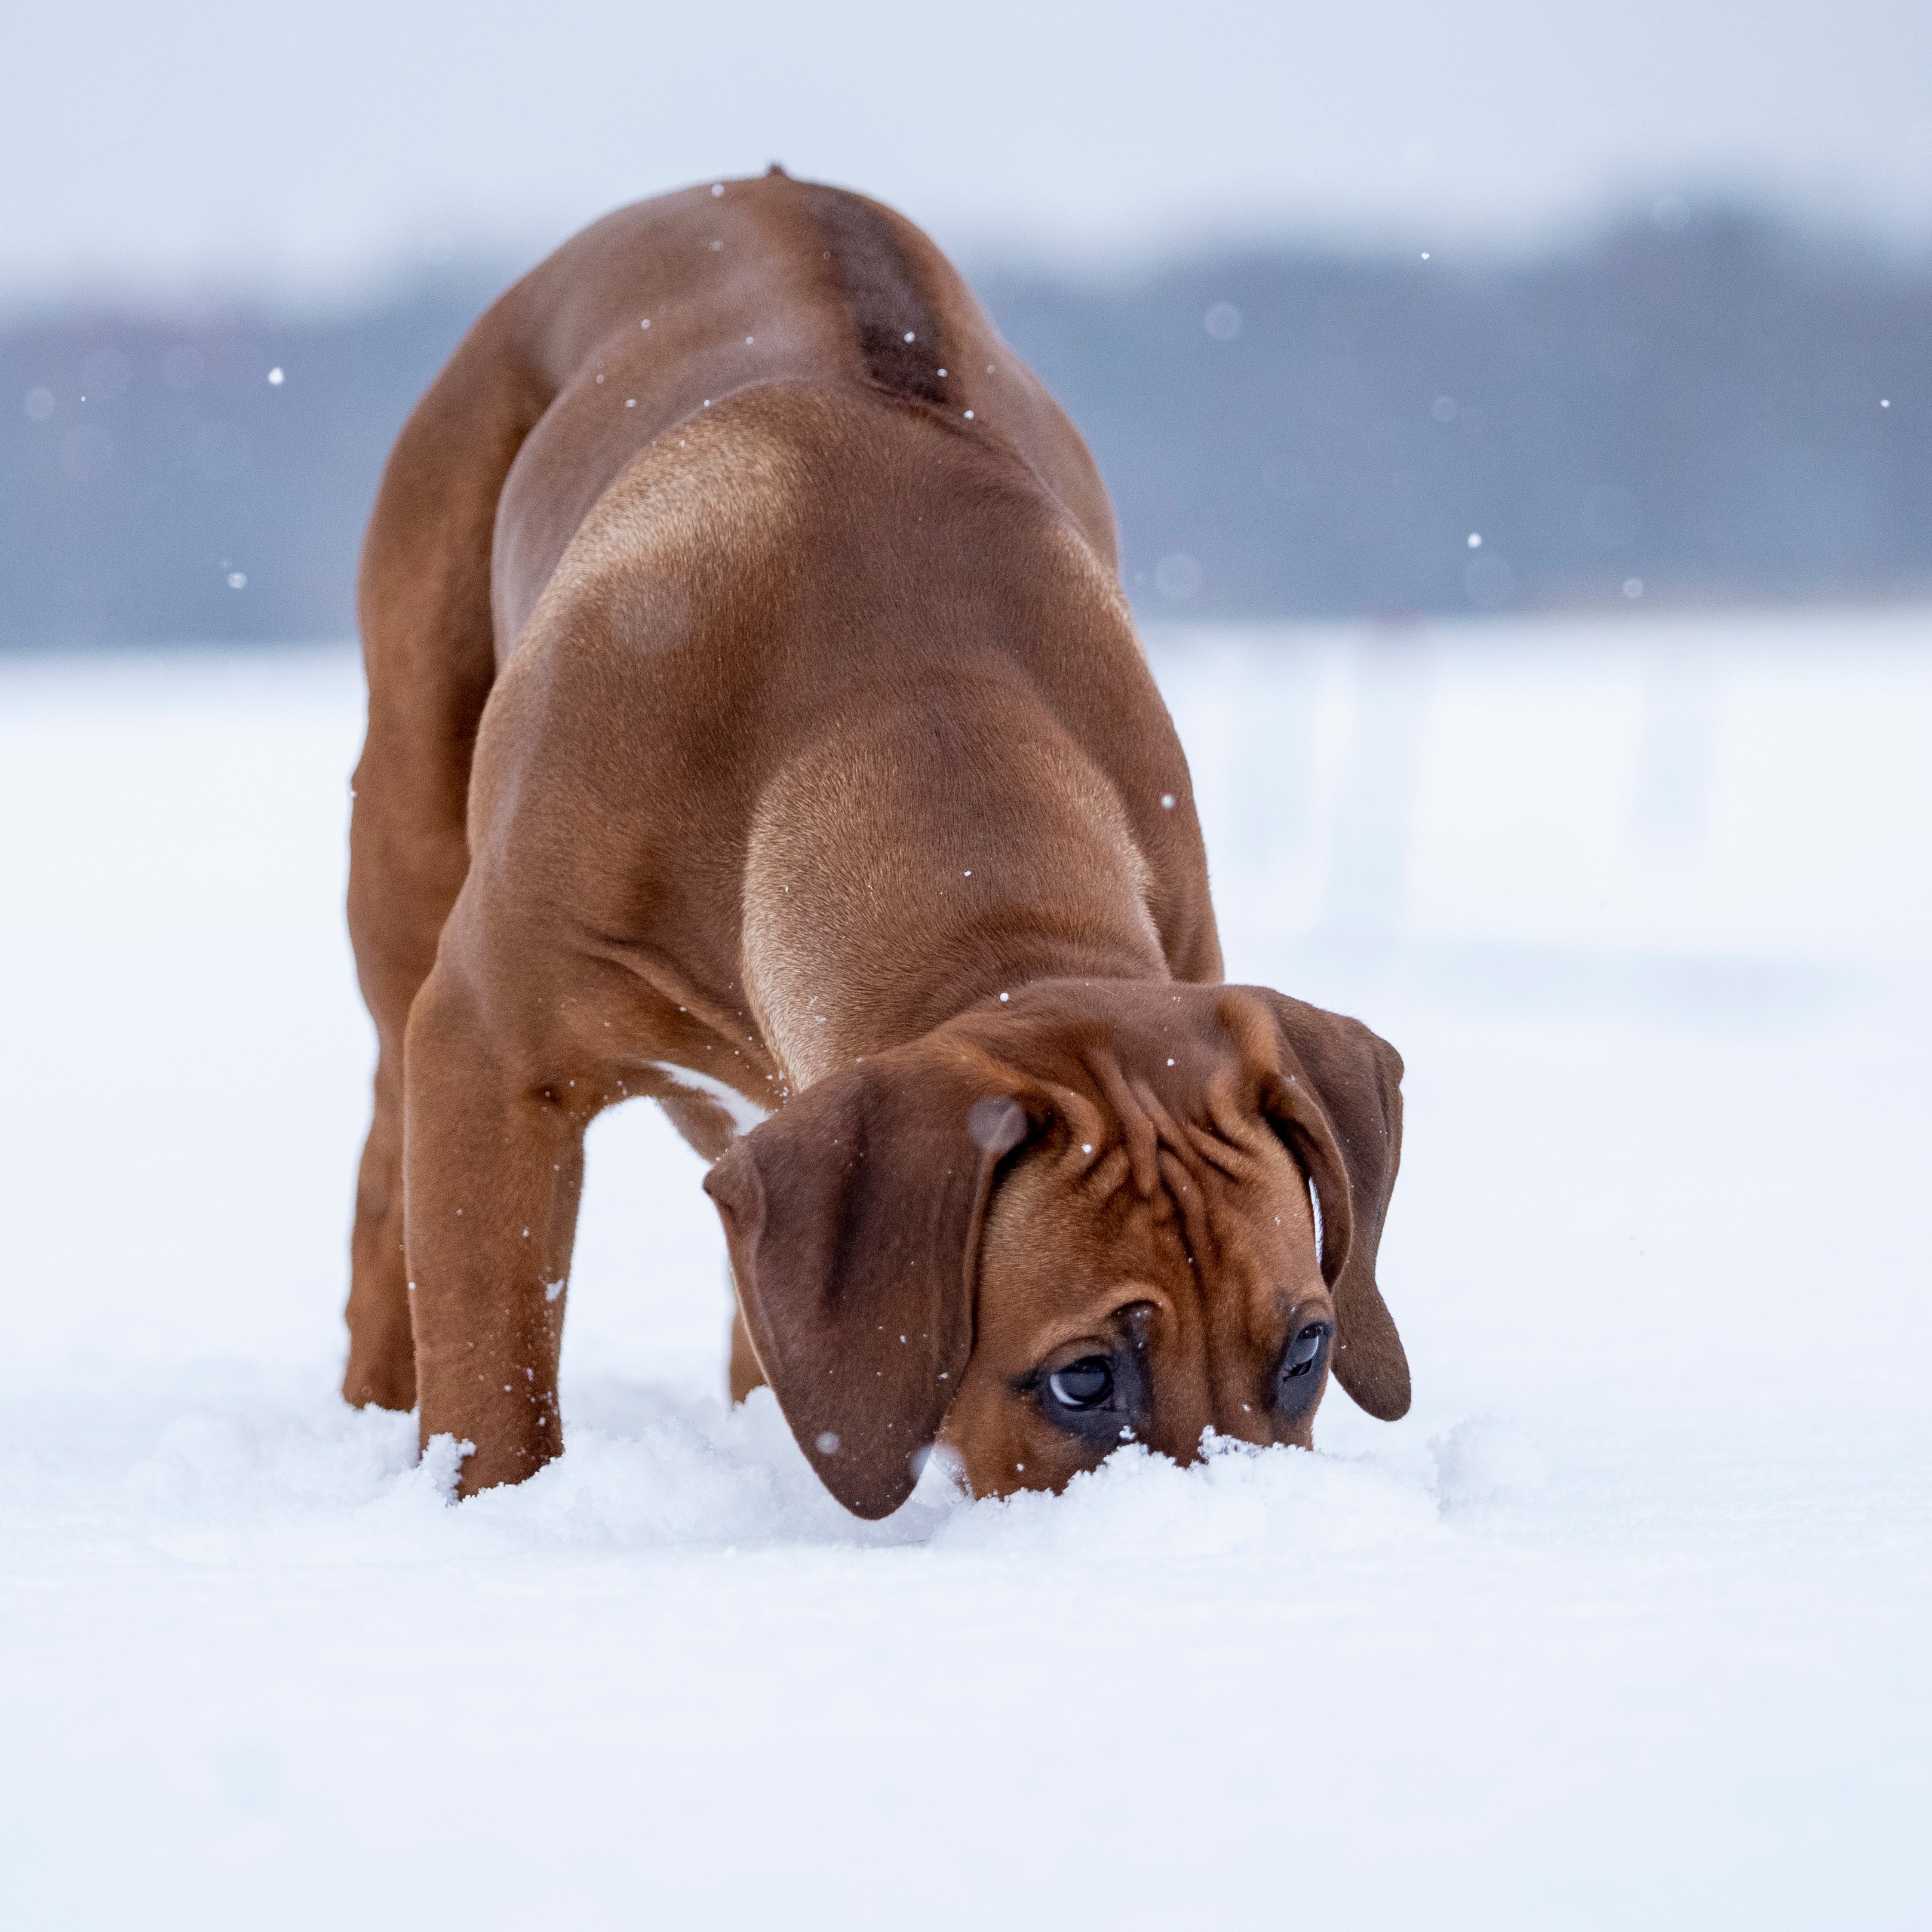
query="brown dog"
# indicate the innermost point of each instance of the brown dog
(756, 724)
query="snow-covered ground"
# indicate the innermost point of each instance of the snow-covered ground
(1629, 1623)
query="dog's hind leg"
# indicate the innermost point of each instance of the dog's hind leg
(425, 607)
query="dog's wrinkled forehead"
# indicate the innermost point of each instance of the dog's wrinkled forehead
(1130, 1182)
(1133, 1068)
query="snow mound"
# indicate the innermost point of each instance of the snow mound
(1143, 1507)
(1486, 1460)
(330, 1484)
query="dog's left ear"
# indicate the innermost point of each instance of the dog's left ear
(1335, 1095)
(853, 1218)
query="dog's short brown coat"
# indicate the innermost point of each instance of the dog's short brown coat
(756, 724)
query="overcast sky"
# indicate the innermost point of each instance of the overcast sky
(311, 143)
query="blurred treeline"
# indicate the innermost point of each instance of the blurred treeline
(1715, 408)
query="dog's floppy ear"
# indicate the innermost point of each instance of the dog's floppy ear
(1337, 1098)
(853, 1219)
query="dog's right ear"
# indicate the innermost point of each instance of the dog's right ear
(1336, 1096)
(853, 1218)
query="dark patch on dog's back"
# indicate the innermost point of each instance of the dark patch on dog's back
(898, 325)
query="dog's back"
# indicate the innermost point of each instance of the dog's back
(669, 307)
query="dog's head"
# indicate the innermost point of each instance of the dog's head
(1106, 1211)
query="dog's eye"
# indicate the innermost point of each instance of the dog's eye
(1086, 1383)
(1305, 1351)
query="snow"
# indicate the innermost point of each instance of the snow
(1625, 1623)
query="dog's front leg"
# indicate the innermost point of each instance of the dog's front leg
(493, 1166)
